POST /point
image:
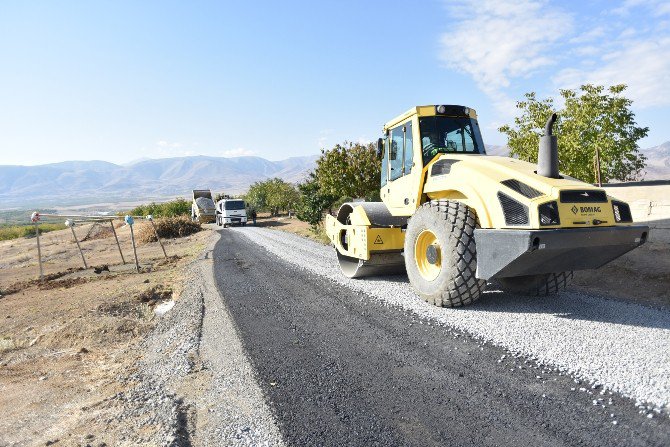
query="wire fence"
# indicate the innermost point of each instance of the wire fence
(72, 220)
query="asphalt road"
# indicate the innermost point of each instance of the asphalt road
(338, 367)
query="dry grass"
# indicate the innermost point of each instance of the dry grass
(167, 228)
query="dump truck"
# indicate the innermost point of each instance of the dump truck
(456, 219)
(203, 209)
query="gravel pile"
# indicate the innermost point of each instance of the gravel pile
(618, 346)
(194, 385)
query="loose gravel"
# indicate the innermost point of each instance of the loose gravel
(194, 381)
(612, 345)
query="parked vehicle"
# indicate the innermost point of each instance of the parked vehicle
(231, 212)
(203, 209)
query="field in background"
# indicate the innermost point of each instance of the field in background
(8, 232)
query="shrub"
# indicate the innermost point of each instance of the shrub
(168, 228)
(173, 208)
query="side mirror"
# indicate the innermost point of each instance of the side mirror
(380, 147)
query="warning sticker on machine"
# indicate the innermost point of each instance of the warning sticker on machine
(378, 240)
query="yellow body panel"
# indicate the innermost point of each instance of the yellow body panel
(363, 240)
(474, 179)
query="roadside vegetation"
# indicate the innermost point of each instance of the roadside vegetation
(168, 228)
(274, 196)
(595, 124)
(347, 171)
(173, 208)
(17, 231)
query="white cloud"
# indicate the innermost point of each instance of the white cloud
(165, 143)
(657, 7)
(497, 41)
(640, 64)
(324, 136)
(502, 44)
(238, 152)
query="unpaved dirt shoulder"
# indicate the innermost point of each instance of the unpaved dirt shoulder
(194, 379)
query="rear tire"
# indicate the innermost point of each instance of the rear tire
(536, 285)
(441, 255)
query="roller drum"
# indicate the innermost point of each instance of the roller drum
(378, 265)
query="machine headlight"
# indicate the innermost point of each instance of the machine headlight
(440, 109)
(621, 212)
(549, 214)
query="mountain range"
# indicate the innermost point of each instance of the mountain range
(658, 160)
(84, 182)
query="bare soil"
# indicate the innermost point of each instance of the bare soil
(640, 276)
(66, 341)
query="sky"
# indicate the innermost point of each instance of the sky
(126, 80)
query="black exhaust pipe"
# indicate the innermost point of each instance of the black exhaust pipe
(547, 157)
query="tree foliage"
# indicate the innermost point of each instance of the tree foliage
(272, 195)
(220, 196)
(592, 117)
(348, 170)
(312, 202)
(173, 208)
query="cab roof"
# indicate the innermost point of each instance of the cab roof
(431, 110)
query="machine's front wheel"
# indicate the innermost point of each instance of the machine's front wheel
(536, 285)
(440, 253)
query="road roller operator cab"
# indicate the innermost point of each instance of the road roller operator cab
(455, 218)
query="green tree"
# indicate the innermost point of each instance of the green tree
(256, 197)
(220, 196)
(349, 170)
(272, 195)
(593, 118)
(312, 202)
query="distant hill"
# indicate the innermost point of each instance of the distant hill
(658, 160)
(492, 149)
(79, 182)
(82, 182)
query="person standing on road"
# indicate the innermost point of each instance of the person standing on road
(253, 216)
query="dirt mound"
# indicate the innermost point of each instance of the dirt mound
(168, 228)
(155, 295)
(100, 231)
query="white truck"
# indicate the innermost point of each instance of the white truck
(231, 212)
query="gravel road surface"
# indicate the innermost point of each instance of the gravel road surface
(365, 362)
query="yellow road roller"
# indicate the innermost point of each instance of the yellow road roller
(455, 218)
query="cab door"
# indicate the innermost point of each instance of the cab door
(401, 192)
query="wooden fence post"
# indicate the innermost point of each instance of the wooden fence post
(111, 222)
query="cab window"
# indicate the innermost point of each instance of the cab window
(385, 161)
(396, 152)
(409, 155)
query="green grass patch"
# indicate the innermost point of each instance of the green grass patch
(173, 208)
(8, 232)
